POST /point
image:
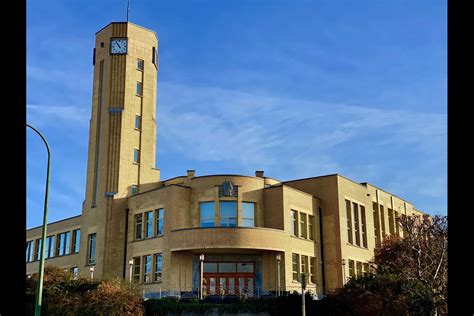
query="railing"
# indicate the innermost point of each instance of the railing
(227, 293)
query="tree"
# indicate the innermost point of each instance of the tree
(421, 254)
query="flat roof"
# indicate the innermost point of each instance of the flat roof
(61, 220)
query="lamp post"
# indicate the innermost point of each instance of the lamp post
(201, 259)
(130, 263)
(39, 293)
(278, 258)
(92, 272)
(303, 288)
(343, 262)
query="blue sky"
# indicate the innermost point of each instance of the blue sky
(295, 88)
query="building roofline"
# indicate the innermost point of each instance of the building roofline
(367, 183)
(280, 185)
(163, 187)
(221, 175)
(328, 175)
(61, 220)
(150, 30)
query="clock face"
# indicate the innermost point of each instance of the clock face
(118, 46)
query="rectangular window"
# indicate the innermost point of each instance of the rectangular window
(382, 220)
(29, 251)
(248, 214)
(154, 56)
(359, 268)
(49, 247)
(227, 267)
(60, 245)
(391, 228)
(158, 267)
(304, 264)
(91, 251)
(356, 223)
(228, 213)
(363, 226)
(76, 240)
(206, 213)
(136, 155)
(210, 267)
(160, 220)
(245, 267)
(138, 226)
(149, 224)
(64, 240)
(74, 272)
(295, 260)
(136, 270)
(139, 91)
(397, 225)
(349, 221)
(376, 223)
(138, 121)
(351, 268)
(365, 267)
(294, 222)
(134, 189)
(312, 270)
(147, 269)
(310, 227)
(38, 248)
(303, 224)
(140, 64)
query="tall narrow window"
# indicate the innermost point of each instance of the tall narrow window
(397, 225)
(146, 269)
(312, 269)
(136, 155)
(154, 57)
(310, 227)
(64, 240)
(149, 224)
(140, 64)
(295, 260)
(67, 243)
(248, 214)
(60, 245)
(134, 189)
(38, 248)
(139, 91)
(363, 226)
(294, 222)
(136, 270)
(91, 250)
(206, 213)
(391, 228)
(29, 251)
(359, 268)
(356, 223)
(376, 223)
(303, 224)
(76, 240)
(49, 247)
(349, 222)
(228, 213)
(160, 221)
(304, 264)
(365, 267)
(382, 221)
(138, 122)
(158, 267)
(351, 268)
(138, 226)
(75, 272)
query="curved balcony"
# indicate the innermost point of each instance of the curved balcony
(228, 237)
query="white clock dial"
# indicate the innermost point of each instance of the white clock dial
(118, 46)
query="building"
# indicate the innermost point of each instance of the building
(257, 234)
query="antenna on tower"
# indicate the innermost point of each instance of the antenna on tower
(128, 8)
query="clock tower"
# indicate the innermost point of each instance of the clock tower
(122, 141)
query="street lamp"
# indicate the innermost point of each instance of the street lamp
(92, 272)
(343, 262)
(201, 259)
(39, 293)
(130, 262)
(278, 258)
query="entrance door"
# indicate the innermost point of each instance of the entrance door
(229, 278)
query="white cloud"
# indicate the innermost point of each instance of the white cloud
(48, 114)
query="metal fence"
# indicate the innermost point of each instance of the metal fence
(218, 292)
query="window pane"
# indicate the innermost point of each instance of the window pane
(137, 122)
(226, 267)
(245, 267)
(91, 252)
(303, 225)
(210, 267)
(138, 226)
(248, 214)
(294, 223)
(147, 269)
(139, 88)
(295, 266)
(149, 224)
(310, 227)
(136, 155)
(140, 64)
(159, 222)
(76, 240)
(136, 269)
(206, 211)
(134, 190)
(349, 222)
(158, 267)
(67, 241)
(356, 223)
(228, 213)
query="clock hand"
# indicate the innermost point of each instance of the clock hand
(119, 45)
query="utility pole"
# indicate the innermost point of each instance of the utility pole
(303, 287)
